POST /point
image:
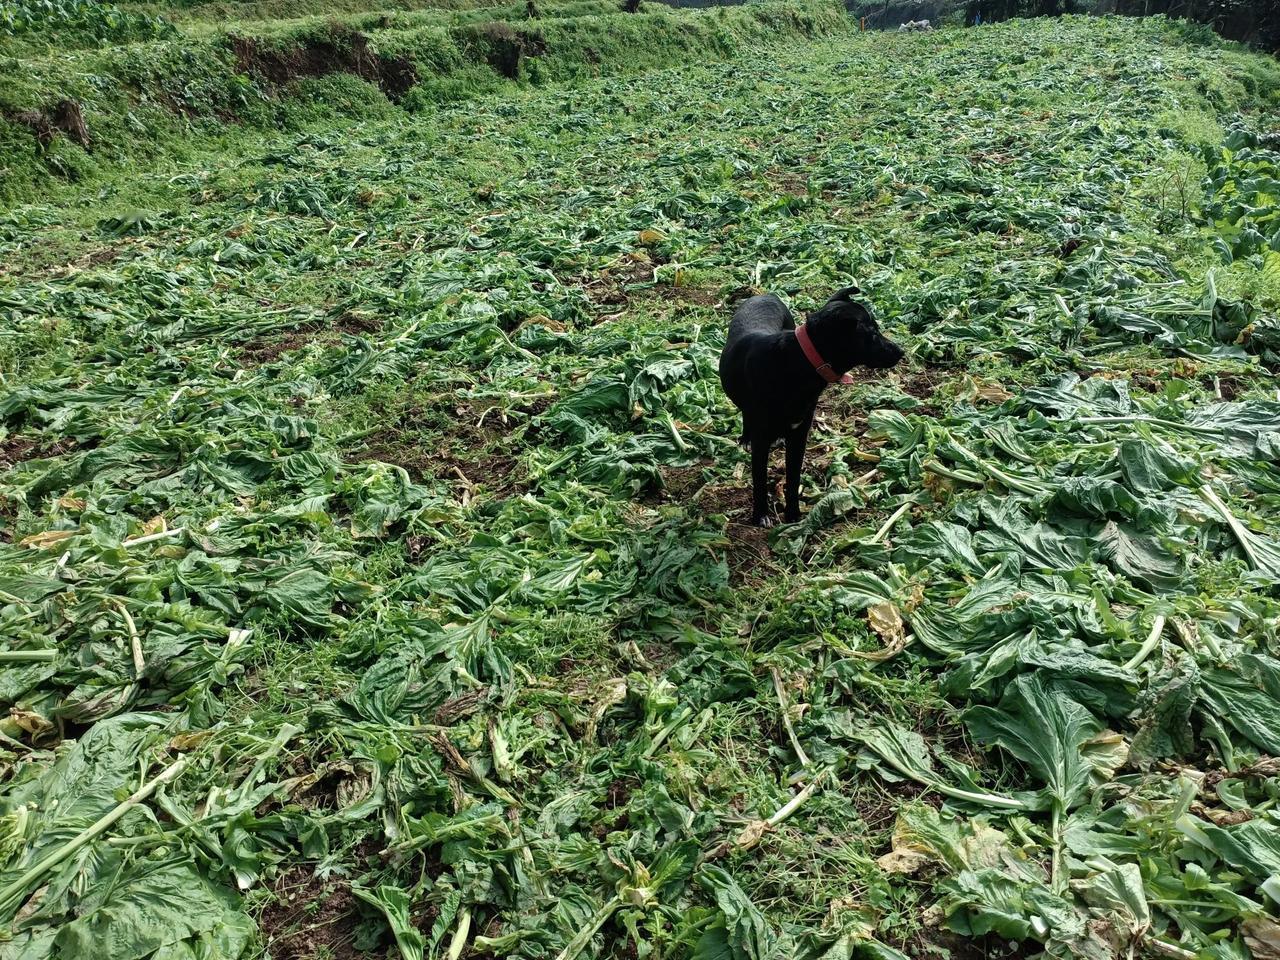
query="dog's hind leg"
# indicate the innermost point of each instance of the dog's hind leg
(745, 439)
(760, 446)
(797, 437)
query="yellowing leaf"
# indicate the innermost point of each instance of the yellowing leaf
(993, 393)
(902, 861)
(649, 237)
(34, 723)
(751, 834)
(886, 621)
(50, 538)
(923, 835)
(542, 320)
(1106, 753)
(974, 390)
(187, 741)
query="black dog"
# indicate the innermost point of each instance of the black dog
(774, 374)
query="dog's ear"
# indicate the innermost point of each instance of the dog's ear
(846, 293)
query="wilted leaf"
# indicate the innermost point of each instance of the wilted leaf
(47, 539)
(885, 620)
(1262, 937)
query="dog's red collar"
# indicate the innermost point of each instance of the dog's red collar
(824, 369)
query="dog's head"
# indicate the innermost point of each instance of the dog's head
(848, 335)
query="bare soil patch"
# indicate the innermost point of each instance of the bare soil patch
(787, 181)
(681, 483)
(1228, 386)
(477, 451)
(339, 51)
(632, 277)
(747, 553)
(64, 118)
(17, 449)
(270, 348)
(505, 48)
(611, 288)
(938, 944)
(310, 917)
(683, 296)
(351, 322)
(923, 385)
(14, 450)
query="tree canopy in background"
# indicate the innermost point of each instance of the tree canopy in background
(1251, 21)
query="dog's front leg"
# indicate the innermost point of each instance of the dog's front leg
(797, 438)
(760, 444)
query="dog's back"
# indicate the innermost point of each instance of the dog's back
(756, 322)
(765, 314)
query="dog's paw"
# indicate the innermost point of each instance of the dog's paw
(765, 522)
(791, 517)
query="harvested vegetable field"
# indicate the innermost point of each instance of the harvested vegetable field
(375, 570)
